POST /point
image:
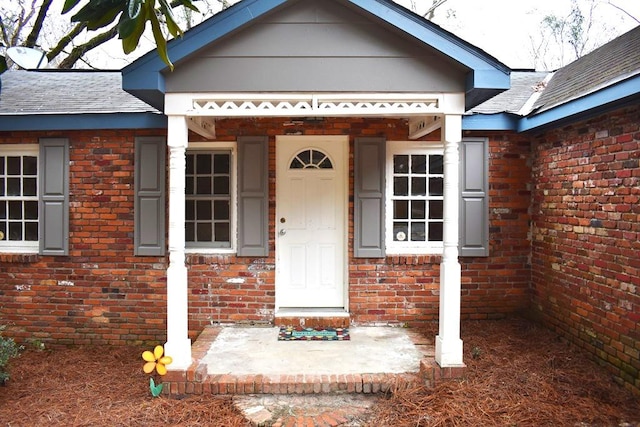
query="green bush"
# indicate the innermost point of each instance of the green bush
(8, 350)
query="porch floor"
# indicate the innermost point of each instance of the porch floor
(251, 360)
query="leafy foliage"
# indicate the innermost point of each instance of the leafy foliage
(133, 17)
(8, 350)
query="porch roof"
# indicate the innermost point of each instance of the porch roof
(485, 75)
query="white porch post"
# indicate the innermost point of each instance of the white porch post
(178, 344)
(448, 342)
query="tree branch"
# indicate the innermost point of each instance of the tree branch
(78, 51)
(65, 40)
(37, 26)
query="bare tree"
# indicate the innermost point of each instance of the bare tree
(563, 39)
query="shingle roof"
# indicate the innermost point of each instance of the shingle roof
(524, 84)
(611, 63)
(66, 92)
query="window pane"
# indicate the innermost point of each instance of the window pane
(31, 210)
(221, 163)
(326, 164)
(203, 185)
(2, 160)
(436, 165)
(436, 209)
(317, 157)
(222, 232)
(190, 232)
(29, 165)
(203, 164)
(15, 231)
(400, 209)
(31, 231)
(190, 210)
(13, 165)
(203, 210)
(190, 161)
(435, 232)
(296, 164)
(418, 210)
(15, 210)
(1, 186)
(3, 230)
(3, 210)
(29, 187)
(13, 187)
(436, 186)
(400, 231)
(204, 232)
(305, 157)
(220, 210)
(418, 232)
(401, 186)
(401, 164)
(189, 186)
(221, 185)
(418, 186)
(419, 164)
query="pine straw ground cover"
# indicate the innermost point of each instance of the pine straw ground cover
(519, 374)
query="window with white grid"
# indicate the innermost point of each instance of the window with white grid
(19, 228)
(415, 202)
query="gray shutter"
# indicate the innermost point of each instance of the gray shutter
(253, 196)
(369, 197)
(474, 200)
(149, 203)
(54, 196)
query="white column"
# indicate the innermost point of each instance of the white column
(448, 342)
(178, 344)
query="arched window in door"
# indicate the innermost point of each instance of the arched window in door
(311, 159)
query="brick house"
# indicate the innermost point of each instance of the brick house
(343, 160)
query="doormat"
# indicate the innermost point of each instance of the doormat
(298, 333)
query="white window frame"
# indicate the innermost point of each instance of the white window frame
(408, 247)
(232, 147)
(23, 247)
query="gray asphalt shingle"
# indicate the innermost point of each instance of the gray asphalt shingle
(66, 92)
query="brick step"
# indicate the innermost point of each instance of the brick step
(290, 384)
(313, 322)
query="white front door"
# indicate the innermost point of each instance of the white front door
(311, 206)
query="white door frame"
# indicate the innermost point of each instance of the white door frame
(311, 141)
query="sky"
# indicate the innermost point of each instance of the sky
(504, 29)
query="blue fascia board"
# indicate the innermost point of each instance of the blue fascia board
(586, 105)
(47, 122)
(490, 122)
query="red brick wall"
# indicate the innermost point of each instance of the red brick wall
(397, 289)
(101, 293)
(586, 237)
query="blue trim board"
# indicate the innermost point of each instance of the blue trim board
(586, 105)
(45, 122)
(490, 122)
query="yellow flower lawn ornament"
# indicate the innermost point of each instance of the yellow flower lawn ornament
(156, 360)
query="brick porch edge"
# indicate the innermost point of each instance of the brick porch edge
(196, 381)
